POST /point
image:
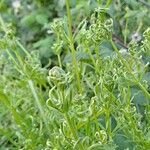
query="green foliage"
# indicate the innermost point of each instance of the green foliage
(83, 80)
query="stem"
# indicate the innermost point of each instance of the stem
(108, 3)
(73, 130)
(139, 27)
(108, 122)
(74, 61)
(92, 58)
(125, 34)
(59, 61)
(98, 114)
(34, 93)
(23, 49)
(97, 52)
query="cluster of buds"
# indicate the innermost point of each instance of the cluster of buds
(146, 42)
(99, 31)
(147, 34)
(7, 38)
(60, 79)
(10, 31)
(57, 75)
(57, 47)
(57, 27)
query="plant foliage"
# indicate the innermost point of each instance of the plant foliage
(74, 75)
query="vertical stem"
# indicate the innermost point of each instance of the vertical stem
(125, 33)
(23, 49)
(108, 3)
(97, 52)
(34, 93)
(92, 58)
(73, 130)
(108, 122)
(139, 27)
(59, 61)
(74, 61)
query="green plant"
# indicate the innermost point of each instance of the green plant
(94, 96)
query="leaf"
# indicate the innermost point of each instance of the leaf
(80, 56)
(42, 19)
(130, 13)
(28, 20)
(43, 46)
(123, 142)
(106, 49)
(61, 3)
(138, 97)
(132, 3)
(147, 77)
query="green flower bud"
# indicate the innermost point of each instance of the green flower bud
(57, 75)
(57, 47)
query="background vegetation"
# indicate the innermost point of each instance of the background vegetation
(74, 74)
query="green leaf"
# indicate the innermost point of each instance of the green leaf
(106, 49)
(147, 77)
(80, 56)
(123, 142)
(42, 19)
(28, 20)
(138, 97)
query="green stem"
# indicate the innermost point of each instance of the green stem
(139, 27)
(73, 130)
(59, 61)
(125, 33)
(23, 49)
(34, 93)
(92, 58)
(108, 122)
(74, 61)
(97, 52)
(97, 115)
(108, 3)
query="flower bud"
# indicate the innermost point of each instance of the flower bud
(57, 74)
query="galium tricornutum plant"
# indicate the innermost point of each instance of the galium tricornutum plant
(105, 107)
(92, 102)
